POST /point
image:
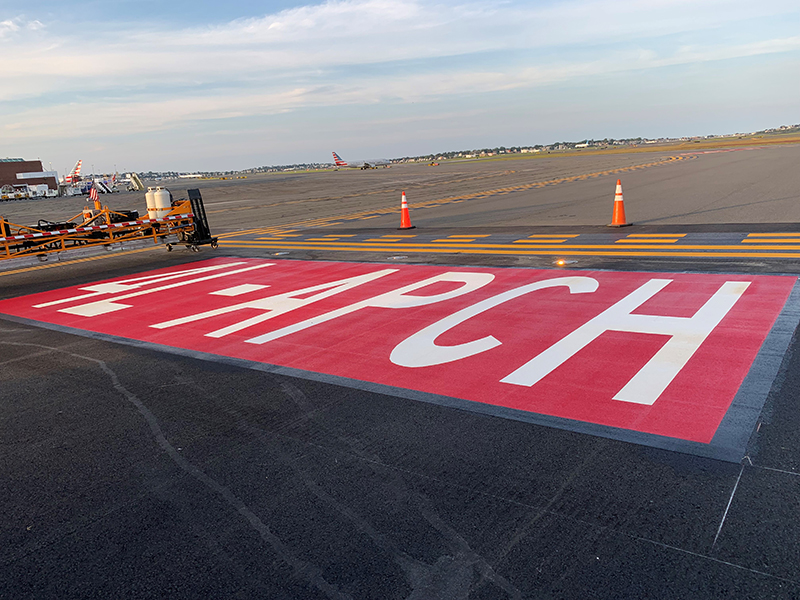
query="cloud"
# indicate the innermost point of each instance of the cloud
(171, 110)
(349, 32)
(139, 77)
(9, 27)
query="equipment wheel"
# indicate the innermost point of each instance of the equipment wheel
(169, 247)
(214, 244)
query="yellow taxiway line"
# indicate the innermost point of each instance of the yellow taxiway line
(523, 251)
(757, 235)
(529, 246)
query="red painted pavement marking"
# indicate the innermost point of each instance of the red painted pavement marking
(659, 353)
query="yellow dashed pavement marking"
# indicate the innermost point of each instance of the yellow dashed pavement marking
(490, 247)
(754, 235)
(647, 241)
(461, 238)
(657, 235)
(771, 241)
(562, 251)
(542, 241)
(651, 238)
(553, 235)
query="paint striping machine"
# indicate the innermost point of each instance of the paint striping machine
(185, 219)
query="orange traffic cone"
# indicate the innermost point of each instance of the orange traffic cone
(618, 218)
(405, 220)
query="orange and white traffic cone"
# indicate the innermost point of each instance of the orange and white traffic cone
(405, 219)
(618, 218)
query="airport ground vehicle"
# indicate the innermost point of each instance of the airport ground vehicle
(185, 219)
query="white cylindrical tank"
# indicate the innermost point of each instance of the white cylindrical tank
(151, 203)
(162, 202)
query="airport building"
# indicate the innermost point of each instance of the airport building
(21, 178)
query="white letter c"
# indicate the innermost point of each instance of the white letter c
(420, 349)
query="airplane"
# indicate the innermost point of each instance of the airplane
(74, 175)
(360, 164)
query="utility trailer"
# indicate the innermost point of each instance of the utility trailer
(101, 226)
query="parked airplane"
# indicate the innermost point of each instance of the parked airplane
(74, 175)
(359, 164)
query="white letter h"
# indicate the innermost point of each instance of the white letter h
(687, 334)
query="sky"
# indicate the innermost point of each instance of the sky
(226, 85)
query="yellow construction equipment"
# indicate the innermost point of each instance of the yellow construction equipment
(101, 226)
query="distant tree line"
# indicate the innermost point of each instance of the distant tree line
(474, 153)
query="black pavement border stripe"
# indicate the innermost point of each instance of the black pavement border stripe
(729, 443)
(741, 418)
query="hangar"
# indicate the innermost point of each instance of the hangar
(20, 178)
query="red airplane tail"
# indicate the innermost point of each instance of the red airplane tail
(74, 175)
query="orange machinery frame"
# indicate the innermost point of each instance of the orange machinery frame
(98, 226)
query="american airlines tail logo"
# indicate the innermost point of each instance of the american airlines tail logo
(338, 160)
(74, 175)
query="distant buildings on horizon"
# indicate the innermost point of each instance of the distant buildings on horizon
(486, 152)
(458, 154)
